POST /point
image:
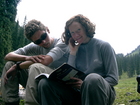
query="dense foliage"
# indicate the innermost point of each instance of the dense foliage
(129, 63)
(11, 34)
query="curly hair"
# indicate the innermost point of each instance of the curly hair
(32, 26)
(84, 21)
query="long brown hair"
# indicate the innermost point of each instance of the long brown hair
(84, 21)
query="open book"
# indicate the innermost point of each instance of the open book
(62, 74)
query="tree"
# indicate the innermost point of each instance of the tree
(119, 58)
(15, 36)
(7, 18)
(22, 39)
(137, 63)
(129, 63)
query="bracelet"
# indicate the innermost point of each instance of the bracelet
(17, 64)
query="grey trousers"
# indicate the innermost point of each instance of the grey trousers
(94, 91)
(11, 89)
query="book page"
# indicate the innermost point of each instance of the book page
(42, 75)
(72, 73)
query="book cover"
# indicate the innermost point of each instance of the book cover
(62, 74)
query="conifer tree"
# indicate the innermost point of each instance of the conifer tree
(120, 58)
(15, 34)
(22, 39)
(7, 18)
(137, 62)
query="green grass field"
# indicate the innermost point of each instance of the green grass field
(126, 91)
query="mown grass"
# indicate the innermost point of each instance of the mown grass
(126, 91)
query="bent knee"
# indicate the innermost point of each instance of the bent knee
(35, 65)
(9, 64)
(42, 83)
(93, 78)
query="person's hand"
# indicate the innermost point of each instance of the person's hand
(75, 83)
(73, 47)
(12, 72)
(35, 59)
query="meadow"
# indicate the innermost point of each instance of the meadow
(126, 92)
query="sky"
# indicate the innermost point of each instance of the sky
(117, 21)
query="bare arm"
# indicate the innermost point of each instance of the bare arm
(24, 65)
(46, 61)
(15, 57)
(28, 60)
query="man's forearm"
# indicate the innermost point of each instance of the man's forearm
(25, 65)
(14, 57)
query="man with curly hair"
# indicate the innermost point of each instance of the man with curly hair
(94, 57)
(43, 53)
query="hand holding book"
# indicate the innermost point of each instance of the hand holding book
(63, 74)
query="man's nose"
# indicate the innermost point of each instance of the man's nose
(43, 41)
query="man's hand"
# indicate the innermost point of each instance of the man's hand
(35, 59)
(44, 59)
(75, 83)
(12, 72)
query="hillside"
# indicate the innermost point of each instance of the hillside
(135, 51)
(129, 63)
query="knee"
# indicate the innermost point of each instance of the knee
(93, 77)
(35, 66)
(42, 84)
(92, 80)
(9, 64)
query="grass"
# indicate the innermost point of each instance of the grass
(2, 103)
(126, 91)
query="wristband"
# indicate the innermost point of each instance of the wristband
(17, 64)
